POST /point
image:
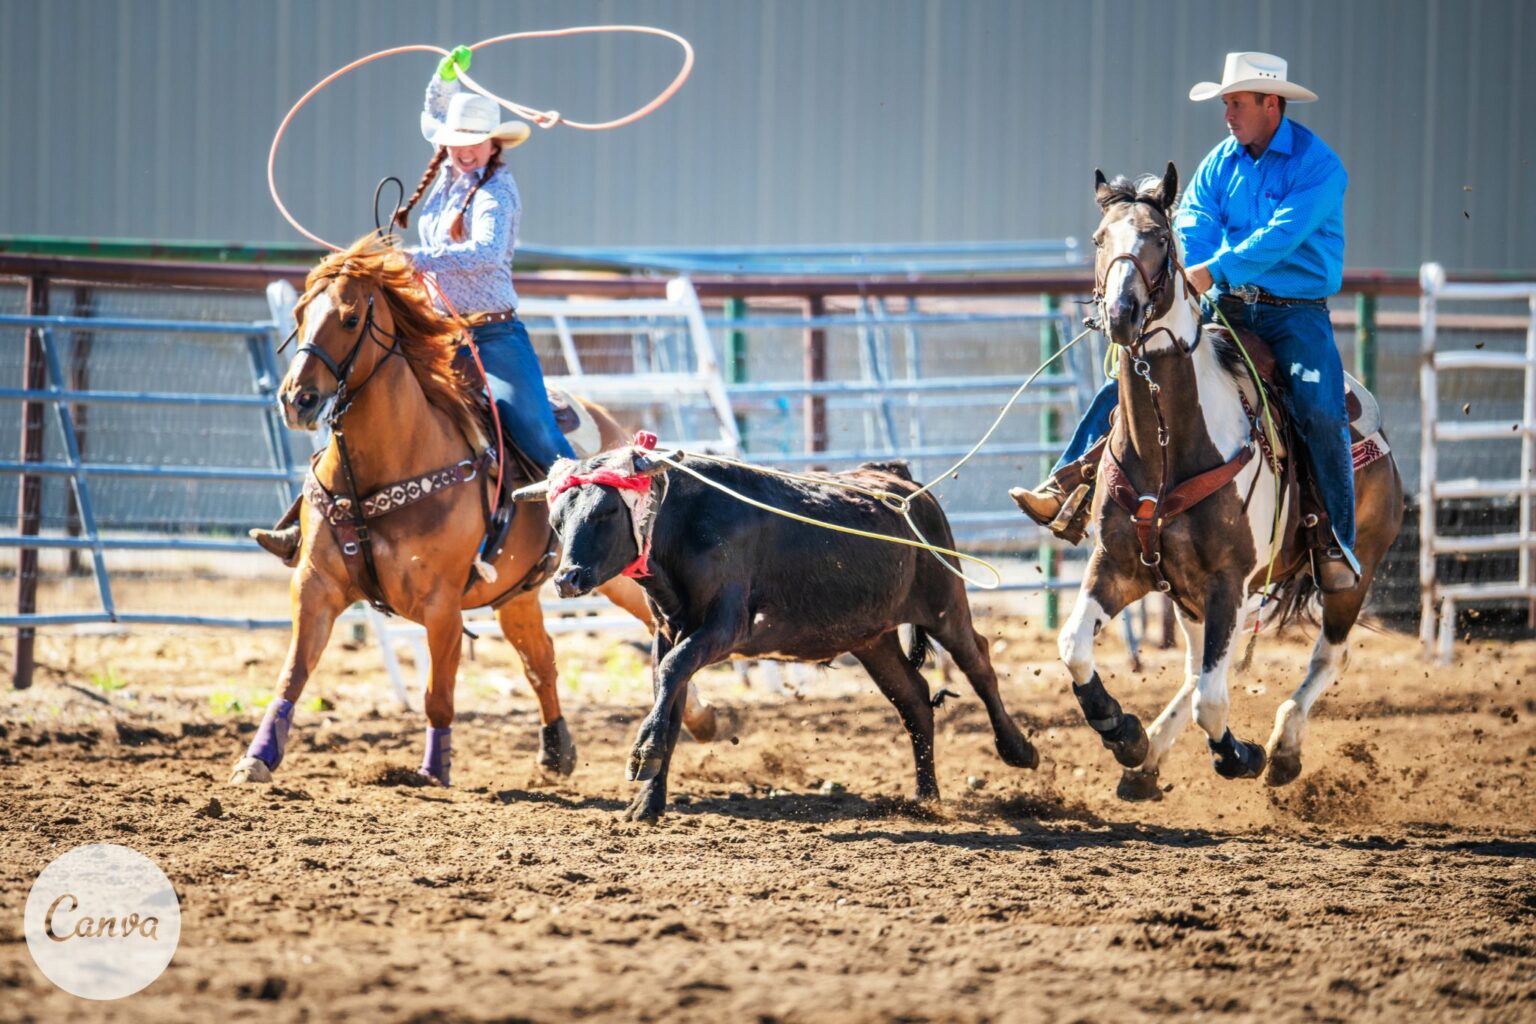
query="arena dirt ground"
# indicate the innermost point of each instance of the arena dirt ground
(790, 882)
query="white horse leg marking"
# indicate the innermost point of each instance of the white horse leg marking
(1327, 664)
(1170, 724)
(1140, 783)
(1234, 759)
(1120, 731)
(1075, 641)
(1211, 700)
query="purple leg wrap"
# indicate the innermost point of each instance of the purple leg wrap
(439, 757)
(272, 736)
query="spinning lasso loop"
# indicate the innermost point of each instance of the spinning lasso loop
(542, 118)
(901, 504)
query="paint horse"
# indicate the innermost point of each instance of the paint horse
(1186, 504)
(397, 507)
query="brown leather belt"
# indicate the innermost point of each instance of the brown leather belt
(1249, 294)
(481, 319)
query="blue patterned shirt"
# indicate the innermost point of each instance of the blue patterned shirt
(1276, 222)
(475, 274)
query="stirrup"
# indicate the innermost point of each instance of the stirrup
(1069, 509)
(1335, 570)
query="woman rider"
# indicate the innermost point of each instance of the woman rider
(468, 228)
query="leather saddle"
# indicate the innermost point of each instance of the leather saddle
(1364, 412)
(571, 417)
(1366, 439)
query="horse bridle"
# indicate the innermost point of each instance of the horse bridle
(1159, 292)
(1148, 510)
(342, 372)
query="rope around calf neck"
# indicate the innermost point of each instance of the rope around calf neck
(898, 503)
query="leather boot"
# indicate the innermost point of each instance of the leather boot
(1043, 503)
(281, 541)
(1061, 503)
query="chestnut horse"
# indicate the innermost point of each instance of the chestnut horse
(1185, 459)
(376, 361)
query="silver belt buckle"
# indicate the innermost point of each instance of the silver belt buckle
(1248, 293)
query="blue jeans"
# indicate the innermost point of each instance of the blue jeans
(517, 386)
(1313, 392)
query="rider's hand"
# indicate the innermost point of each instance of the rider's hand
(1200, 277)
(449, 67)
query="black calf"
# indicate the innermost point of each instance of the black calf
(723, 578)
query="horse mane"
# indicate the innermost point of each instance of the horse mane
(427, 339)
(1129, 190)
(1228, 356)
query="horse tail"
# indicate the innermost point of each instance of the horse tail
(918, 652)
(1299, 599)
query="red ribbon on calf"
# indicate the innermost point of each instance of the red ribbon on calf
(639, 482)
(603, 478)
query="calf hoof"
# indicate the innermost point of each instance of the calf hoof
(1127, 740)
(556, 751)
(250, 769)
(1283, 769)
(1138, 786)
(647, 806)
(1018, 752)
(644, 764)
(1235, 759)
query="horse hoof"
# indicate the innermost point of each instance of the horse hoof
(1018, 752)
(557, 753)
(1283, 769)
(433, 779)
(1128, 741)
(703, 727)
(1138, 786)
(250, 769)
(1235, 759)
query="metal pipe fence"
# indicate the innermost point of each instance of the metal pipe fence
(818, 370)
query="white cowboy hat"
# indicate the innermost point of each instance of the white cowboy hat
(472, 118)
(1253, 72)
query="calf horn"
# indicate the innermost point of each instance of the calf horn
(533, 492)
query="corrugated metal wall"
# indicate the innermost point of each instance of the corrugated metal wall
(805, 120)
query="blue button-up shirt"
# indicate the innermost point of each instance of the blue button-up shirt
(475, 274)
(1276, 222)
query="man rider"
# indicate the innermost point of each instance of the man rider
(1262, 228)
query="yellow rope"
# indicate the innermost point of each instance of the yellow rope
(899, 503)
(1274, 448)
(921, 542)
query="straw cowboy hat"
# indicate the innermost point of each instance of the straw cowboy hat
(472, 118)
(1253, 72)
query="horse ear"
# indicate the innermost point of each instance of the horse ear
(1170, 187)
(1101, 193)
